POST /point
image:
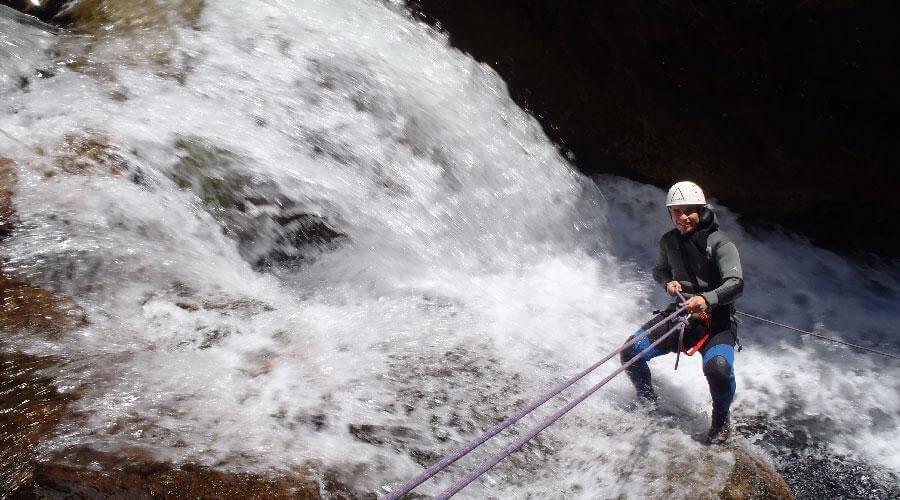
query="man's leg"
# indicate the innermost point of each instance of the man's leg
(639, 372)
(718, 366)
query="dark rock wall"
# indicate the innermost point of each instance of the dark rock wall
(45, 10)
(786, 111)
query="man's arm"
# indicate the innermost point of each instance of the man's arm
(662, 270)
(729, 262)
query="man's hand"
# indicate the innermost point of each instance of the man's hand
(696, 304)
(673, 288)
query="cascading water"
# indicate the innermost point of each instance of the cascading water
(311, 232)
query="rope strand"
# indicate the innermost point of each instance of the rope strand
(813, 334)
(486, 466)
(553, 418)
(816, 335)
(453, 457)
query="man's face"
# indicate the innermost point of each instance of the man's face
(685, 217)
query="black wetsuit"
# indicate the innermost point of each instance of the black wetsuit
(705, 262)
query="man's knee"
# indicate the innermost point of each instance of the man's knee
(718, 372)
(627, 353)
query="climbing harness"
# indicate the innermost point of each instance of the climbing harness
(699, 345)
(453, 457)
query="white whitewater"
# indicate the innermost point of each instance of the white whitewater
(478, 268)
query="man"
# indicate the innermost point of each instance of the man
(699, 261)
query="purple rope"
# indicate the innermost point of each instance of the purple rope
(549, 421)
(453, 457)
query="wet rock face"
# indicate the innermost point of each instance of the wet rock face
(273, 230)
(7, 184)
(30, 408)
(103, 15)
(733, 471)
(784, 111)
(812, 469)
(45, 10)
(89, 153)
(30, 405)
(33, 310)
(98, 475)
(753, 478)
(24, 308)
(95, 16)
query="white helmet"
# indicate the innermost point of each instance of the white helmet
(685, 193)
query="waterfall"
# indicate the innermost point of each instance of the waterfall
(312, 231)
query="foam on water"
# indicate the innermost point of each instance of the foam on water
(25, 46)
(478, 268)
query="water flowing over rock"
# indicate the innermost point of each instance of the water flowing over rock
(147, 28)
(104, 16)
(30, 408)
(99, 16)
(273, 230)
(26, 308)
(89, 153)
(7, 185)
(814, 471)
(30, 404)
(97, 475)
(307, 244)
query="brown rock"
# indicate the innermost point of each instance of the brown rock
(159, 480)
(7, 188)
(148, 28)
(28, 309)
(701, 475)
(30, 408)
(752, 478)
(102, 16)
(86, 473)
(25, 308)
(90, 153)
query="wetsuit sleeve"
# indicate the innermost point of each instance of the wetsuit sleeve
(729, 263)
(662, 270)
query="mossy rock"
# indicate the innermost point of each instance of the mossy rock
(208, 171)
(292, 233)
(123, 16)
